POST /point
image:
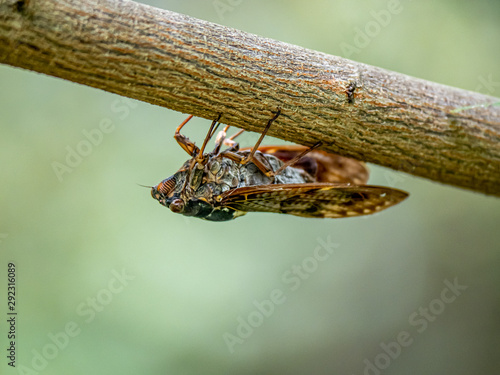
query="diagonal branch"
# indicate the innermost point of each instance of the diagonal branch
(188, 65)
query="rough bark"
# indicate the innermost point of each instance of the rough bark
(193, 66)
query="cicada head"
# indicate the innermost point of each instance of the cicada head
(168, 193)
(164, 193)
(184, 193)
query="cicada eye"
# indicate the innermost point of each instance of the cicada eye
(177, 206)
(166, 186)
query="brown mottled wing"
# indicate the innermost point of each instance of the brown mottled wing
(313, 200)
(323, 166)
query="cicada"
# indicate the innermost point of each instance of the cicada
(296, 180)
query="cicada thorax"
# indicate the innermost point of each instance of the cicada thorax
(221, 174)
(251, 175)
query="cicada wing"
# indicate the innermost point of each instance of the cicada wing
(323, 166)
(313, 199)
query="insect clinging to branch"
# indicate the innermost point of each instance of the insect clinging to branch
(223, 184)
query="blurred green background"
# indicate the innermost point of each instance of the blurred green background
(186, 284)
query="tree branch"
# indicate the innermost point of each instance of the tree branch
(189, 65)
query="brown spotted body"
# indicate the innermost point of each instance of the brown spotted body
(295, 180)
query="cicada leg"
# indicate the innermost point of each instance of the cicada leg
(252, 153)
(220, 140)
(242, 160)
(213, 128)
(294, 160)
(251, 156)
(189, 146)
(231, 153)
(230, 141)
(184, 141)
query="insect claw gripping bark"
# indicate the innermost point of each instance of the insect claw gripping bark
(294, 180)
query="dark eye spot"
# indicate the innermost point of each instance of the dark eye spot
(177, 206)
